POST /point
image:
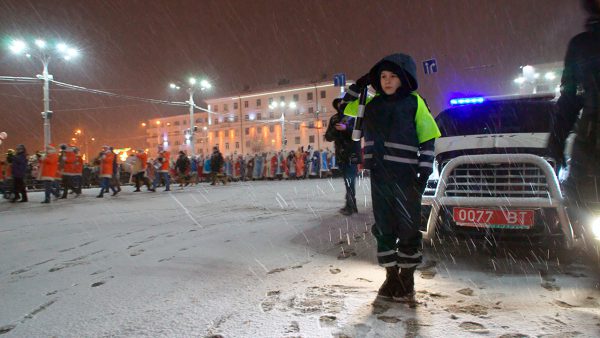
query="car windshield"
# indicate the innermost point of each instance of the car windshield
(499, 117)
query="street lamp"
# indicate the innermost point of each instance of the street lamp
(282, 105)
(81, 133)
(194, 85)
(43, 51)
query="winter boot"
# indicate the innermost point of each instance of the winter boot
(407, 285)
(115, 193)
(101, 194)
(46, 201)
(346, 211)
(391, 286)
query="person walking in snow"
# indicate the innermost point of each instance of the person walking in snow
(19, 170)
(164, 160)
(216, 167)
(106, 159)
(399, 136)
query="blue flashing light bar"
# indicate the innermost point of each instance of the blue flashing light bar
(466, 100)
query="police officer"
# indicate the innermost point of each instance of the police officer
(347, 152)
(580, 92)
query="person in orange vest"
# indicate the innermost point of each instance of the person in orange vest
(47, 171)
(164, 157)
(106, 158)
(68, 158)
(78, 170)
(139, 176)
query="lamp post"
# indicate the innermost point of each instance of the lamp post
(43, 52)
(282, 105)
(193, 86)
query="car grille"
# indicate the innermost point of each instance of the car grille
(497, 180)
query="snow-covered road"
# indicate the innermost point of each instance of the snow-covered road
(260, 259)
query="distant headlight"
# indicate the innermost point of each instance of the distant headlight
(596, 226)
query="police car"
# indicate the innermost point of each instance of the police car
(496, 178)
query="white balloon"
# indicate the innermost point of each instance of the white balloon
(3, 135)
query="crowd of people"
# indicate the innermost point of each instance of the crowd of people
(60, 170)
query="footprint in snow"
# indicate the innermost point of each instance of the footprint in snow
(335, 271)
(473, 327)
(466, 291)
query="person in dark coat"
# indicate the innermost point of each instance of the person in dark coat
(19, 170)
(216, 166)
(579, 109)
(347, 152)
(182, 165)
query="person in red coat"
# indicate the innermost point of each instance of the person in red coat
(106, 159)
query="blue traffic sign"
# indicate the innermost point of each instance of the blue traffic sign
(430, 66)
(339, 80)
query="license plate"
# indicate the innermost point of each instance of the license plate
(493, 218)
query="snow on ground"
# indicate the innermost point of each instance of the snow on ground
(260, 259)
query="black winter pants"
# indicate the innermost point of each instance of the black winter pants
(397, 213)
(19, 188)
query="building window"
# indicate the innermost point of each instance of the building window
(226, 145)
(176, 143)
(184, 122)
(258, 117)
(246, 117)
(270, 101)
(311, 124)
(271, 115)
(216, 121)
(297, 111)
(247, 144)
(295, 98)
(247, 131)
(297, 140)
(199, 120)
(323, 94)
(311, 138)
(235, 105)
(296, 126)
(246, 104)
(176, 123)
(282, 99)
(324, 123)
(237, 145)
(235, 118)
(309, 96)
(258, 102)
(198, 140)
(216, 108)
(271, 128)
(311, 110)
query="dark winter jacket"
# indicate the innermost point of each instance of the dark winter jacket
(346, 150)
(580, 88)
(19, 165)
(399, 130)
(216, 162)
(182, 164)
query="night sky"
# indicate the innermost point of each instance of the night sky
(138, 47)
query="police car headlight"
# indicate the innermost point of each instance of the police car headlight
(596, 226)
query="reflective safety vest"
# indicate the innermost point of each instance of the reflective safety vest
(69, 159)
(401, 146)
(49, 167)
(106, 164)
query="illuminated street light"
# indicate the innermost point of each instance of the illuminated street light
(43, 53)
(157, 123)
(193, 86)
(143, 124)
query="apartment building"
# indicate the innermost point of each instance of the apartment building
(271, 120)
